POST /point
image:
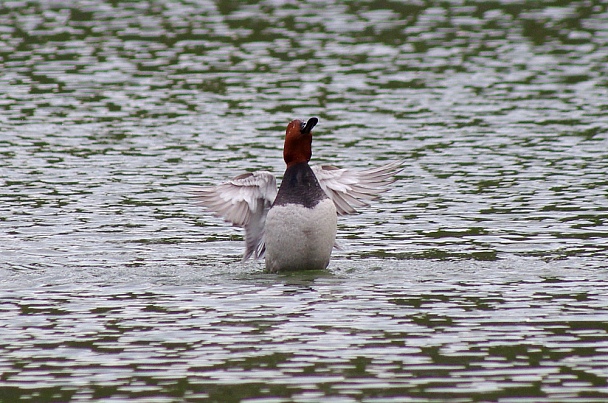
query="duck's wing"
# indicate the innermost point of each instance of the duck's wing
(350, 188)
(243, 201)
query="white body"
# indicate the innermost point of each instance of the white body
(300, 238)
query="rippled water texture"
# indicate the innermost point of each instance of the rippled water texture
(481, 276)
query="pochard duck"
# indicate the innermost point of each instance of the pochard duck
(295, 229)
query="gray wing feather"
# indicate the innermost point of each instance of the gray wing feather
(243, 201)
(350, 189)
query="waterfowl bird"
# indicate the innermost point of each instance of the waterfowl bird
(295, 228)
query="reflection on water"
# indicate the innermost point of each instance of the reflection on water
(480, 275)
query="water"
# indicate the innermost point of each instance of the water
(479, 277)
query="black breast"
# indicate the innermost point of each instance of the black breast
(299, 186)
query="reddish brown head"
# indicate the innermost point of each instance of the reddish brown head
(298, 141)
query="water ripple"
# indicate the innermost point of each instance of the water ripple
(479, 276)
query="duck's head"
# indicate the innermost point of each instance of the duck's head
(298, 141)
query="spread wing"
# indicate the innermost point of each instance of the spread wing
(244, 201)
(350, 188)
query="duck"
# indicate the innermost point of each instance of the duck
(294, 228)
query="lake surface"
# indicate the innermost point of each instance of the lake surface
(480, 276)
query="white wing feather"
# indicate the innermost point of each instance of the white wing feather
(244, 201)
(350, 188)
